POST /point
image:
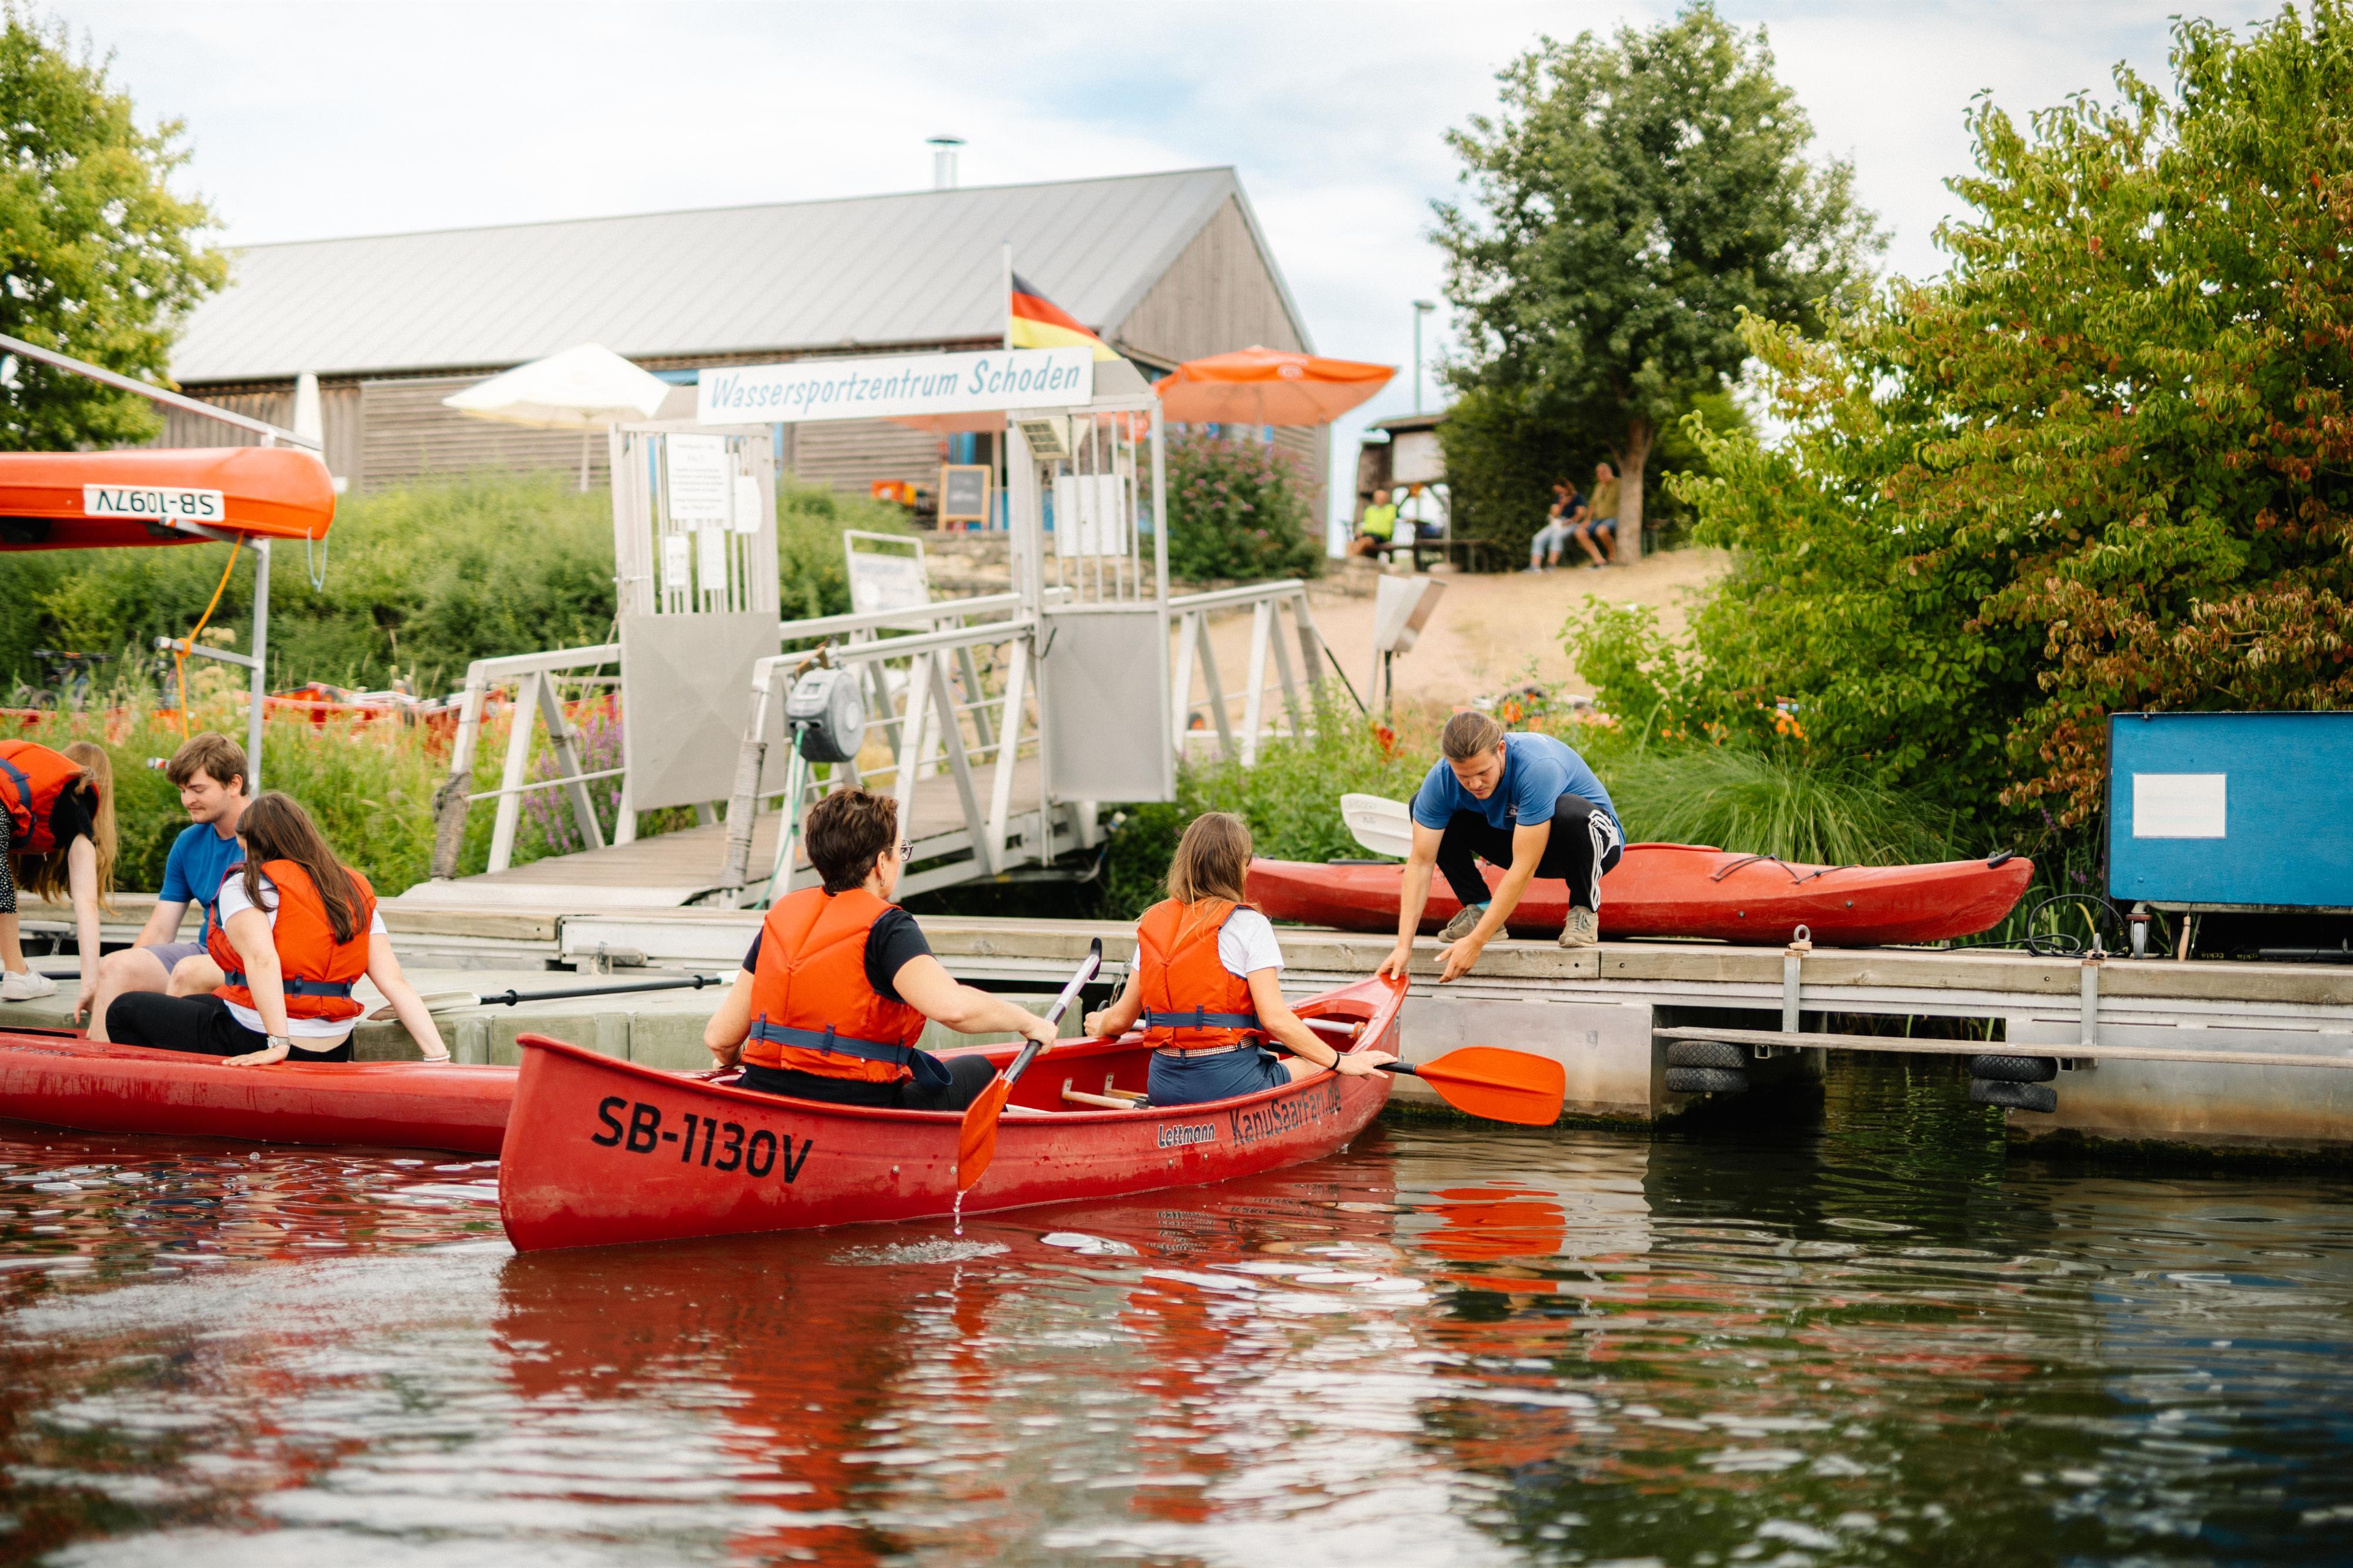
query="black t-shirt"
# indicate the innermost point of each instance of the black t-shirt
(895, 939)
(74, 815)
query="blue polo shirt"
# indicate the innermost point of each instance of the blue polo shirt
(193, 872)
(1537, 771)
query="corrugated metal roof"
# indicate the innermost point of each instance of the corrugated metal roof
(918, 267)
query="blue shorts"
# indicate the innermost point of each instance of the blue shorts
(170, 953)
(1189, 1080)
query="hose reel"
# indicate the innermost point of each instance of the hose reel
(826, 712)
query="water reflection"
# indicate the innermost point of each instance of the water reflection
(1859, 1332)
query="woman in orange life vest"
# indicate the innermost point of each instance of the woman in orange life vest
(1207, 983)
(837, 986)
(296, 930)
(56, 835)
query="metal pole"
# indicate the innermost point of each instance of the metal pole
(260, 682)
(1420, 308)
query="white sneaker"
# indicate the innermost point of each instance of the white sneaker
(1584, 928)
(24, 985)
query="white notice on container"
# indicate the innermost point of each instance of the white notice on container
(713, 551)
(699, 476)
(2180, 806)
(676, 557)
(750, 503)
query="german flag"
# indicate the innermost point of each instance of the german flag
(1039, 323)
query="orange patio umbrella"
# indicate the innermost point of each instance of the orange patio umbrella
(1267, 386)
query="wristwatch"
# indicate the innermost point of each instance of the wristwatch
(280, 1042)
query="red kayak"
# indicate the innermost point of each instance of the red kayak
(64, 1080)
(605, 1152)
(1688, 890)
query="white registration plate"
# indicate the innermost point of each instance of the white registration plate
(143, 503)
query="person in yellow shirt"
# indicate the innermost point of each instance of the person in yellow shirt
(1600, 520)
(1376, 528)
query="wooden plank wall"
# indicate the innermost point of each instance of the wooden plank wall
(339, 405)
(849, 454)
(408, 436)
(1218, 297)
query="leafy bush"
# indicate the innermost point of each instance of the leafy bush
(1774, 802)
(419, 582)
(1236, 509)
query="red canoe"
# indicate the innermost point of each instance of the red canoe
(605, 1152)
(64, 1080)
(1685, 889)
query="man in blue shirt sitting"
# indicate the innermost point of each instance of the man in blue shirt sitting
(1524, 803)
(210, 770)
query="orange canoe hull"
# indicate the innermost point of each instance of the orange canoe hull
(77, 500)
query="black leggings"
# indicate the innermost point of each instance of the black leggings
(967, 1076)
(202, 1026)
(1583, 845)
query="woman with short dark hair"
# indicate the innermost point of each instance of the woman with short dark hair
(837, 985)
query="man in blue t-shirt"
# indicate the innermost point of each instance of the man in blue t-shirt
(210, 770)
(1524, 803)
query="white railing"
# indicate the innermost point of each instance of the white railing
(1266, 603)
(533, 674)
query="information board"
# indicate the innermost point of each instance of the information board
(700, 480)
(2217, 810)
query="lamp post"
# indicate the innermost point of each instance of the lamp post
(1420, 308)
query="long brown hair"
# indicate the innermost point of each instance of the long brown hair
(1211, 860)
(275, 829)
(46, 875)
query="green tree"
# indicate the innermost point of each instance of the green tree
(2105, 465)
(1631, 200)
(98, 258)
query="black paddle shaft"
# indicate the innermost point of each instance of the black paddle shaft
(1087, 971)
(509, 998)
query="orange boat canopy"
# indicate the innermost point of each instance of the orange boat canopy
(82, 501)
(1267, 386)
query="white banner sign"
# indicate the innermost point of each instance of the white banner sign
(894, 385)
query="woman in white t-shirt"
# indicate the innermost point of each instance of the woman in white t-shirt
(295, 930)
(1207, 983)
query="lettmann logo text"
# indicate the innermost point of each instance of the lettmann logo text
(850, 389)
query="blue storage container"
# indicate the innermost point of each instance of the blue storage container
(2231, 810)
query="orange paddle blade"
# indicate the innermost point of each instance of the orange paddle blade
(1500, 1085)
(976, 1138)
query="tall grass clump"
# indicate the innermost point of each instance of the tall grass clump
(1779, 802)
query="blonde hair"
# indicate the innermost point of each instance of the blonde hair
(1470, 733)
(1211, 860)
(46, 876)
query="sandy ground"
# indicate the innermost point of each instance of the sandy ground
(1487, 630)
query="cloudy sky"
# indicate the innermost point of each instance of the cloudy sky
(314, 120)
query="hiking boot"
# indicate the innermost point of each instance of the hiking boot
(1584, 928)
(24, 985)
(1464, 922)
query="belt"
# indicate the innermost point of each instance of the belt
(1199, 1019)
(832, 1044)
(1204, 1050)
(296, 987)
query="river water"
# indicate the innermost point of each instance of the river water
(1849, 1331)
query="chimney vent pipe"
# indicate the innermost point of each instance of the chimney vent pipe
(943, 161)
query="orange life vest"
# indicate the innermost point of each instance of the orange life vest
(316, 971)
(32, 776)
(1191, 1001)
(813, 1010)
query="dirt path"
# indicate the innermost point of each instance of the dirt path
(1490, 627)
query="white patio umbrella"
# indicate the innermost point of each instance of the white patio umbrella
(586, 389)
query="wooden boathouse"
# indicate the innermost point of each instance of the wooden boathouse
(1166, 266)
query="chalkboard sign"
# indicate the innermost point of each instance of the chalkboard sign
(964, 492)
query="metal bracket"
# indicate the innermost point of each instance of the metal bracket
(2091, 970)
(1792, 957)
(181, 646)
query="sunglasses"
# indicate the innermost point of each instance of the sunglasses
(906, 850)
